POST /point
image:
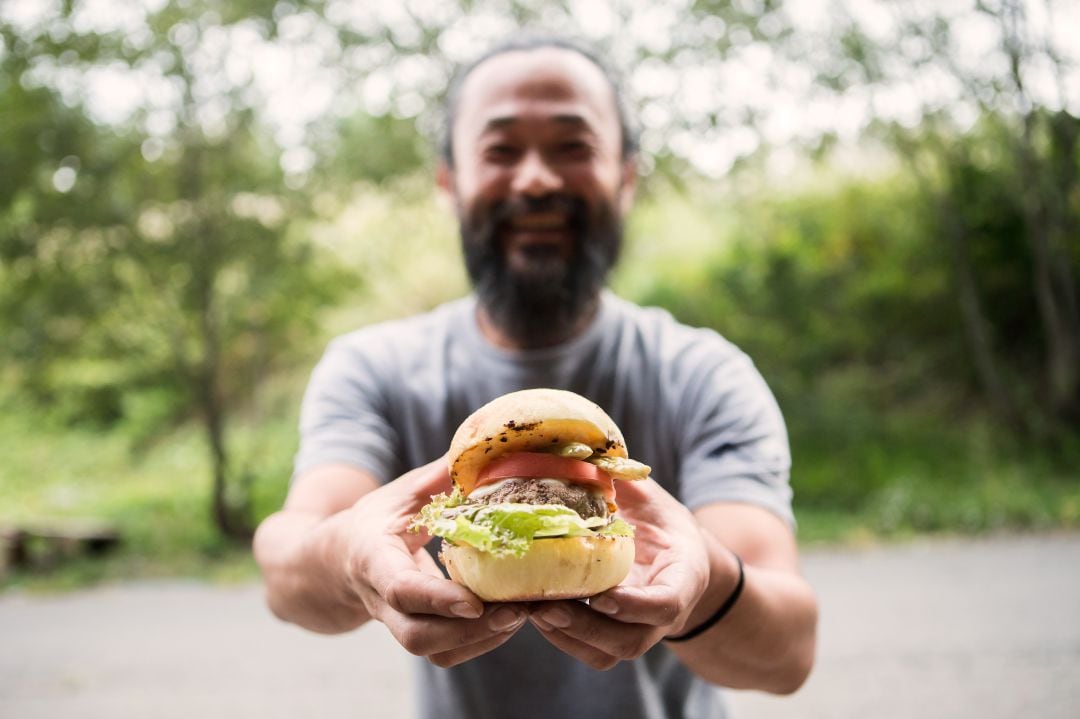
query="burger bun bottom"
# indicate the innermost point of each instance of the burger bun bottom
(552, 568)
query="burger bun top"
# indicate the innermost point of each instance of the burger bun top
(528, 421)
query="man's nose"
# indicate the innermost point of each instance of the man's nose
(535, 177)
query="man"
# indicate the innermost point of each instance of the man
(539, 164)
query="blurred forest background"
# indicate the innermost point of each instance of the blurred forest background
(879, 201)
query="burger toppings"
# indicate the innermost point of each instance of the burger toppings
(547, 484)
(617, 467)
(621, 467)
(575, 450)
(539, 465)
(524, 496)
(530, 516)
(544, 491)
(509, 529)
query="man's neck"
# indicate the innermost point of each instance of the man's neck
(498, 338)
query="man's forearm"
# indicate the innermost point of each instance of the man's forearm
(301, 556)
(767, 639)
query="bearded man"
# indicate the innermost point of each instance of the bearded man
(539, 162)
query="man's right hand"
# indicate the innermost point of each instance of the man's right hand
(402, 586)
(364, 562)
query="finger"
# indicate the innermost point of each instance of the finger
(411, 584)
(634, 491)
(427, 480)
(644, 492)
(415, 592)
(656, 604)
(646, 501)
(427, 635)
(471, 651)
(416, 489)
(579, 650)
(611, 637)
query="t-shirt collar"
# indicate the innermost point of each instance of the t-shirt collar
(481, 346)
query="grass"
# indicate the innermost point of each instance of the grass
(913, 473)
(159, 498)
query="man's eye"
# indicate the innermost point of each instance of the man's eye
(500, 152)
(575, 148)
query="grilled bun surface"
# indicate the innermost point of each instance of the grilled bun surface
(529, 420)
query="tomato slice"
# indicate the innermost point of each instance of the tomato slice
(538, 465)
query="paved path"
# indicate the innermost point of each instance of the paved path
(953, 629)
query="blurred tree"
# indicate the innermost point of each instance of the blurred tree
(149, 277)
(1003, 188)
(156, 266)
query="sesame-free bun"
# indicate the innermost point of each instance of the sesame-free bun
(560, 568)
(529, 420)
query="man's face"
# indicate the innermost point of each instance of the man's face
(540, 187)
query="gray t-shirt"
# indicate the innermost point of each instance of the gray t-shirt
(388, 397)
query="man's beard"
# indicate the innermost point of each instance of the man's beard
(547, 302)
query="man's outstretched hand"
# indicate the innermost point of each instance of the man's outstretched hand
(401, 585)
(669, 576)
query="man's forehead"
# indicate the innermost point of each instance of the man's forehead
(553, 74)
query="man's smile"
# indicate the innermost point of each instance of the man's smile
(540, 222)
(528, 236)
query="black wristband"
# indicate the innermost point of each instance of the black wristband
(720, 613)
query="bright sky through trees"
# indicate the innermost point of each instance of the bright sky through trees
(756, 92)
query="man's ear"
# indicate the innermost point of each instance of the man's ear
(628, 186)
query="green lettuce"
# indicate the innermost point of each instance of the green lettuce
(509, 529)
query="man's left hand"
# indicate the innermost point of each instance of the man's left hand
(669, 576)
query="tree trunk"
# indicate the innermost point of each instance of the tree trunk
(977, 327)
(1051, 278)
(232, 518)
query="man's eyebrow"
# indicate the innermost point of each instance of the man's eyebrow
(571, 119)
(567, 118)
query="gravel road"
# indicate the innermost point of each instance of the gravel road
(949, 629)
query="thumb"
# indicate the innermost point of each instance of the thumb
(639, 492)
(414, 490)
(426, 480)
(647, 500)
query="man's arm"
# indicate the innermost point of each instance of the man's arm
(301, 552)
(767, 640)
(684, 571)
(340, 553)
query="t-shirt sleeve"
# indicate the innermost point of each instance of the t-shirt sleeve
(735, 441)
(344, 414)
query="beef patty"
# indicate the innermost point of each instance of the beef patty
(531, 491)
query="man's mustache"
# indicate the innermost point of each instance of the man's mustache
(505, 211)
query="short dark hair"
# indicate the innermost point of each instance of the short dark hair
(535, 41)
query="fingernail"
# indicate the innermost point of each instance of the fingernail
(466, 610)
(505, 619)
(540, 623)
(556, 617)
(604, 604)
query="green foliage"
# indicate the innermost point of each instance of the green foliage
(920, 326)
(845, 295)
(148, 279)
(809, 282)
(159, 499)
(363, 147)
(191, 265)
(999, 203)
(399, 240)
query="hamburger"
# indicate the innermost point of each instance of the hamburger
(531, 515)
